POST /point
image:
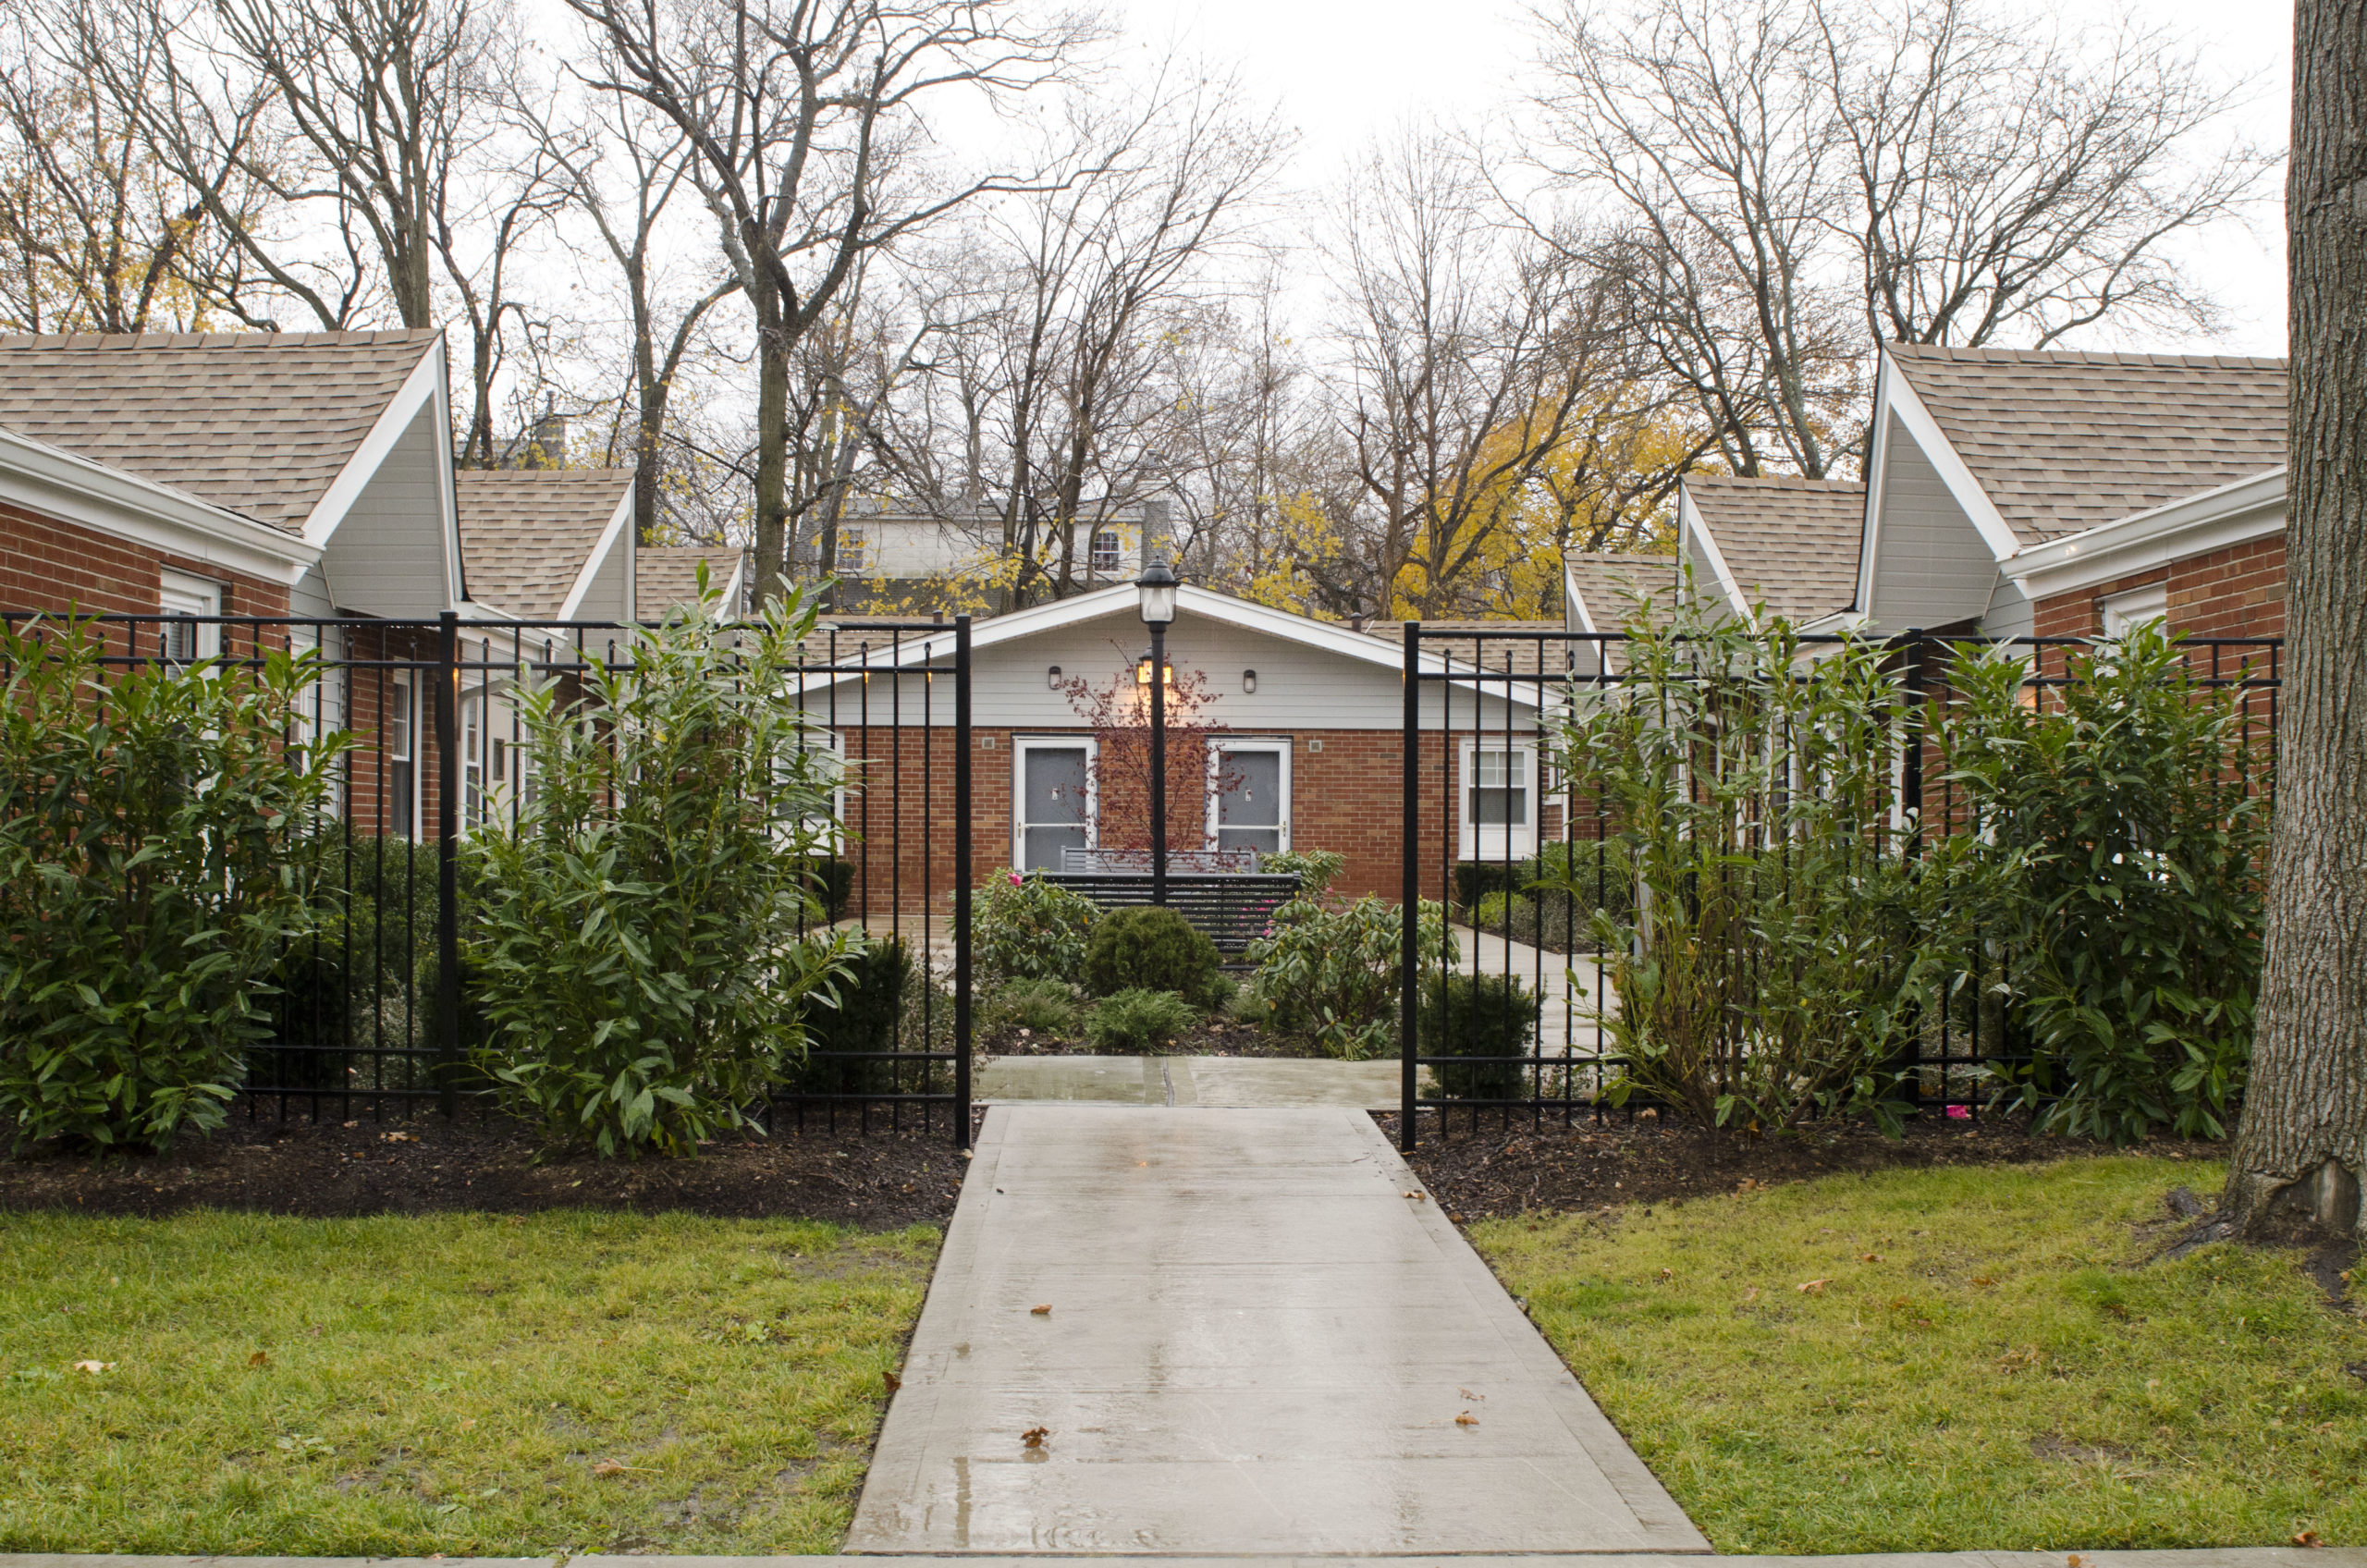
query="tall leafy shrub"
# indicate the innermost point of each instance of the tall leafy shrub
(2119, 833)
(156, 860)
(1775, 961)
(1027, 928)
(646, 933)
(1330, 971)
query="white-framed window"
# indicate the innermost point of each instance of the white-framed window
(472, 757)
(401, 806)
(1054, 804)
(322, 710)
(188, 604)
(1501, 796)
(2124, 613)
(1249, 794)
(854, 550)
(1104, 556)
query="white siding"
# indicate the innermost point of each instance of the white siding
(1299, 688)
(310, 598)
(1931, 567)
(605, 598)
(387, 556)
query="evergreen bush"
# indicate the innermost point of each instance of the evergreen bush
(1027, 928)
(1153, 949)
(1136, 1020)
(1476, 1017)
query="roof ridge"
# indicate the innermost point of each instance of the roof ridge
(1969, 355)
(1776, 480)
(125, 341)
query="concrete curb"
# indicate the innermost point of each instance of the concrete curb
(2202, 1557)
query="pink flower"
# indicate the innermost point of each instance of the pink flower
(1014, 879)
(1960, 1113)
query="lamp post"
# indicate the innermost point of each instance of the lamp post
(1155, 590)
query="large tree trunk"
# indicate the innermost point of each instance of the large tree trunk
(2303, 1139)
(772, 447)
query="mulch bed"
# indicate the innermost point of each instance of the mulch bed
(879, 1179)
(1496, 1169)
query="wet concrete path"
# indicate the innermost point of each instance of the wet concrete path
(1257, 1343)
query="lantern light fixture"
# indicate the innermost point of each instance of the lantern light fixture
(1155, 593)
(1249, 682)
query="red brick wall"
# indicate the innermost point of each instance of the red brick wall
(1346, 797)
(2237, 591)
(46, 564)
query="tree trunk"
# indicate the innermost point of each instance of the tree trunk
(2303, 1139)
(772, 446)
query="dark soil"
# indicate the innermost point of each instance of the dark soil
(1212, 1036)
(1496, 1169)
(880, 1180)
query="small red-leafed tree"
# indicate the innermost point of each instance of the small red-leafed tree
(1118, 712)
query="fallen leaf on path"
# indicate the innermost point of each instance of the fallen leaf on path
(1668, 1273)
(93, 1368)
(470, 1424)
(1416, 1196)
(259, 1359)
(1468, 1394)
(1042, 1309)
(1813, 1287)
(1750, 1296)
(1466, 1419)
(1034, 1436)
(1982, 1279)
(611, 1468)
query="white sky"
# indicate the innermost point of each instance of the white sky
(1344, 70)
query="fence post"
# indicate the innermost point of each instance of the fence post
(962, 749)
(1409, 936)
(448, 862)
(1910, 784)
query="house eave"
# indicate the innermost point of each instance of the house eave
(2193, 525)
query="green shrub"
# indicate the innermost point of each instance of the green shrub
(1149, 950)
(1330, 970)
(1782, 964)
(1134, 1022)
(365, 976)
(158, 858)
(1316, 869)
(2122, 850)
(1477, 1016)
(1026, 928)
(644, 934)
(1475, 879)
(861, 1009)
(1553, 920)
(1042, 1008)
(831, 882)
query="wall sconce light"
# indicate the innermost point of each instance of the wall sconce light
(1142, 670)
(1052, 679)
(1249, 680)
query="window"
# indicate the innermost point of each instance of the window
(402, 792)
(473, 749)
(189, 605)
(1499, 800)
(854, 551)
(321, 711)
(1103, 557)
(1249, 795)
(2124, 613)
(1055, 806)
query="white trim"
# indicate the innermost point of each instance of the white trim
(2193, 525)
(1574, 603)
(179, 595)
(1023, 744)
(1688, 516)
(76, 490)
(2123, 613)
(1513, 842)
(601, 550)
(426, 379)
(1280, 746)
(1925, 430)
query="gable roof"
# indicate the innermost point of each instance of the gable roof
(1603, 587)
(1788, 543)
(667, 575)
(258, 424)
(528, 534)
(2061, 442)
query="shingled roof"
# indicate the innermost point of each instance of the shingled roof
(2062, 442)
(1610, 584)
(525, 534)
(1791, 544)
(667, 575)
(258, 424)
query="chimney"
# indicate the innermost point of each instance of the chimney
(548, 448)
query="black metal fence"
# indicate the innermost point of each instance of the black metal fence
(1488, 821)
(374, 1016)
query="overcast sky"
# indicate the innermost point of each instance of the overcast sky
(1346, 69)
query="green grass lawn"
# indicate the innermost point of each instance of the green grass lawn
(2002, 1372)
(461, 1384)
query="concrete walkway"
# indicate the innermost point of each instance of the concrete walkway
(1256, 1343)
(2200, 1557)
(1239, 1081)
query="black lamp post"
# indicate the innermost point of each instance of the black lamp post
(1156, 592)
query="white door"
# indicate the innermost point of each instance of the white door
(1053, 806)
(1249, 795)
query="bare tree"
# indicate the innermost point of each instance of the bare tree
(800, 116)
(1795, 181)
(1472, 353)
(2304, 1137)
